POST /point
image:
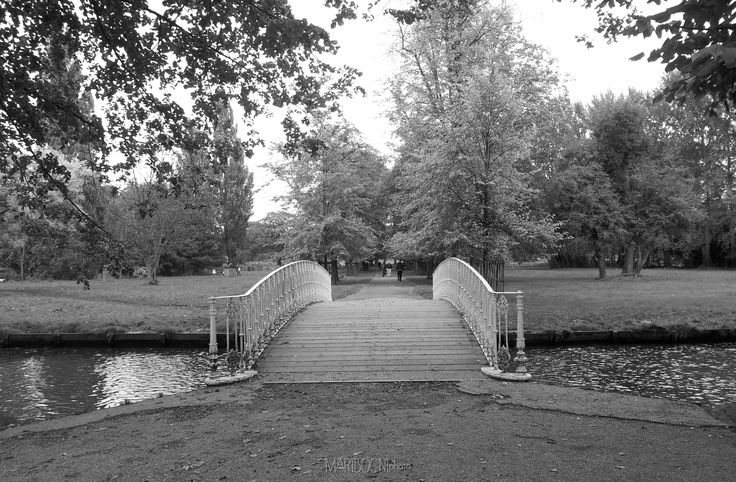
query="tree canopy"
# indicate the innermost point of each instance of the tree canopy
(334, 194)
(698, 41)
(466, 105)
(133, 55)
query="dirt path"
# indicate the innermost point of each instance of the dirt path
(386, 288)
(389, 431)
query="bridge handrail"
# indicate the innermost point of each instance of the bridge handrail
(485, 311)
(257, 315)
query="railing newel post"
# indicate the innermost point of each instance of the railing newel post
(495, 333)
(213, 334)
(227, 326)
(520, 358)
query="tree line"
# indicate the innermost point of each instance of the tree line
(494, 159)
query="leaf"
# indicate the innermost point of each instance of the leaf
(195, 465)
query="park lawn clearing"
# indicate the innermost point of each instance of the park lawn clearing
(672, 299)
(554, 300)
(176, 305)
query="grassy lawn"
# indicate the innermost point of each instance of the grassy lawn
(572, 299)
(560, 299)
(177, 304)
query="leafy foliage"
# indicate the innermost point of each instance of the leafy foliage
(235, 185)
(465, 103)
(134, 54)
(698, 42)
(334, 182)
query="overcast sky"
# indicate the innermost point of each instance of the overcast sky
(554, 25)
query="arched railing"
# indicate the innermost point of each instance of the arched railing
(486, 313)
(255, 317)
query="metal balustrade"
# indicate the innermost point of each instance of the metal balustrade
(255, 317)
(487, 314)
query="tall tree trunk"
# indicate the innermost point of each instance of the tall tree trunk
(23, 262)
(154, 258)
(628, 268)
(335, 277)
(643, 258)
(600, 260)
(707, 260)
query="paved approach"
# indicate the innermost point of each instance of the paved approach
(384, 332)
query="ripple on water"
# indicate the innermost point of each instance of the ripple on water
(42, 383)
(703, 374)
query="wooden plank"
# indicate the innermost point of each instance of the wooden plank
(373, 340)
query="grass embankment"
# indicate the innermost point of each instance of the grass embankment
(176, 304)
(560, 299)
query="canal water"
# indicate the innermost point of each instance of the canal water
(42, 383)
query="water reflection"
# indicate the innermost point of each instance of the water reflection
(704, 374)
(41, 383)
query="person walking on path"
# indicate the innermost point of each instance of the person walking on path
(399, 269)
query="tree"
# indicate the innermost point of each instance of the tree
(704, 146)
(159, 219)
(235, 185)
(466, 103)
(698, 42)
(266, 237)
(581, 196)
(334, 184)
(658, 202)
(135, 54)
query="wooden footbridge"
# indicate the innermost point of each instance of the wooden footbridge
(288, 329)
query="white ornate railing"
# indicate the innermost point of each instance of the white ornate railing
(486, 313)
(259, 314)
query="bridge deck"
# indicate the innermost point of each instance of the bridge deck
(364, 338)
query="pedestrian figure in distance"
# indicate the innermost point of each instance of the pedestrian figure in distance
(399, 269)
(388, 269)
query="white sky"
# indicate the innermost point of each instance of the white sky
(551, 24)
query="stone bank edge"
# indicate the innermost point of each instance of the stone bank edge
(201, 340)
